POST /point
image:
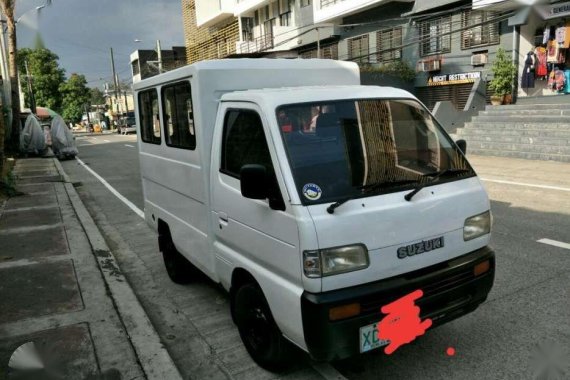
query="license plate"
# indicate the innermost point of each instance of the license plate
(369, 338)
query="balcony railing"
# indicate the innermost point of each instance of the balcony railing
(261, 43)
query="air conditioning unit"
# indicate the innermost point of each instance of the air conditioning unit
(479, 59)
(429, 66)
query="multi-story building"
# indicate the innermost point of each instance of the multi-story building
(145, 63)
(455, 46)
(210, 28)
(449, 43)
(283, 28)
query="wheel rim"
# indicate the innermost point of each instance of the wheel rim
(258, 329)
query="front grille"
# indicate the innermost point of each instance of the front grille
(431, 288)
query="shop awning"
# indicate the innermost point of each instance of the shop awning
(422, 6)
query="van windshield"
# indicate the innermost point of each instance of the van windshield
(340, 149)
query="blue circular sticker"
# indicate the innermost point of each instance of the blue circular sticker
(312, 192)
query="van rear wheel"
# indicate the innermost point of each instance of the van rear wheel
(258, 330)
(179, 269)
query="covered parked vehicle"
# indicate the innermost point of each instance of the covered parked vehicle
(63, 141)
(32, 139)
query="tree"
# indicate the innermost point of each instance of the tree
(504, 72)
(76, 96)
(97, 96)
(8, 8)
(46, 75)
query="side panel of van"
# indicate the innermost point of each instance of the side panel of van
(173, 177)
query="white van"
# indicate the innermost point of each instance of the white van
(312, 199)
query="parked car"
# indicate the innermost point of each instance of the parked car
(127, 125)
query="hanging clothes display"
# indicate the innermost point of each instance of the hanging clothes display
(527, 80)
(567, 36)
(552, 52)
(546, 36)
(561, 36)
(541, 67)
(557, 80)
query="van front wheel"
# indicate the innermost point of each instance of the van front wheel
(258, 330)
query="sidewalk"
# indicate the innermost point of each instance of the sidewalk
(61, 289)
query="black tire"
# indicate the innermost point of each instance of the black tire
(258, 330)
(180, 270)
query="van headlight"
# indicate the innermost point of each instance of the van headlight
(477, 226)
(331, 261)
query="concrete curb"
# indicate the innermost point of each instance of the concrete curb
(88, 134)
(61, 172)
(152, 355)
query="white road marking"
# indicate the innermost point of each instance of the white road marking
(130, 146)
(130, 204)
(328, 371)
(554, 243)
(106, 140)
(526, 184)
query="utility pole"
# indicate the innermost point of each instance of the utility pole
(159, 52)
(115, 79)
(126, 102)
(31, 90)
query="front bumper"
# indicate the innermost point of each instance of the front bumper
(450, 291)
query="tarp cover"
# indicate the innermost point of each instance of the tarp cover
(32, 139)
(63, 142)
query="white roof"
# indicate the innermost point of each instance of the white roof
(294, 95)
(246, 67)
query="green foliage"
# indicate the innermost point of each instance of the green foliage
(504, 72)
(97, 96)
(46, 74)
(76, 96)
(398, 69)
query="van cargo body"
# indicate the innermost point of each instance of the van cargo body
(312, 199)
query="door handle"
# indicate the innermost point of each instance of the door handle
(223, 217)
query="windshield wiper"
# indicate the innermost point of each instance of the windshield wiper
(432, 178)
(368, 189)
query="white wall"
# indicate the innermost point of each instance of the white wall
(209, 12)
(341, 9)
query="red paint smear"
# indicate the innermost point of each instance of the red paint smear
(402, 324)
(451, 351)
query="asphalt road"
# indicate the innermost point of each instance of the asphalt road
(528, 307)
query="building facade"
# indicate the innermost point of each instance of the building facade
(145, 63)
(211, 30)
(444, 45)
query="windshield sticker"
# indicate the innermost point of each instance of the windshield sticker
(312, 192)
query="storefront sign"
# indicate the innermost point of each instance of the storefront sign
(449, 79)
(554, 11)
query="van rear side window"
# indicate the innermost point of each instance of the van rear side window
(178, 116)
(149, 117)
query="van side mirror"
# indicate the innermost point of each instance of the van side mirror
(254, 182)
(462, 144)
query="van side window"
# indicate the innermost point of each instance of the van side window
(149, 117)
(178, 116)
(244, 142)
